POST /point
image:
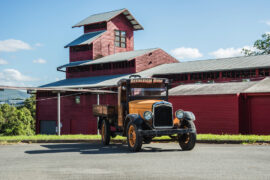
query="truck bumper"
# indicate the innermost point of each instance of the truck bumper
(161, 132)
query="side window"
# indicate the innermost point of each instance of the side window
(120, 38)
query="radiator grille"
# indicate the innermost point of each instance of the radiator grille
(163, 116)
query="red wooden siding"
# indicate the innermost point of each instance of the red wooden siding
(141, 63)
(81, 55)
(104, 72)
(217, 114)
(259, 107)
(104, 45)
(75, 118)
(153, 59)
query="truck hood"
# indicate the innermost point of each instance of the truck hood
(140, 106)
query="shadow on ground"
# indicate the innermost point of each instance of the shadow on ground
(84, 148)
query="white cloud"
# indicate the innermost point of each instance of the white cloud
(14, 77)
(38, 44)
(230, 52)
(186, 53)
(40, 61)
(267, 22)
(267, 33)
(2, 61)
(12, 45)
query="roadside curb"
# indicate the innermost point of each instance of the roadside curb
(124, 141)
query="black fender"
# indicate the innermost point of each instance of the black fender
(189, 124)
(135, 118)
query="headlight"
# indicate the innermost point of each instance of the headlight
(179, 114)
(147, 115)
(189, 116)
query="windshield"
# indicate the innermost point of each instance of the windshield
(148, 91)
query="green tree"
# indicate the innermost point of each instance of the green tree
(2, 120)
(30, 103)
(15, 121)
(262, 46)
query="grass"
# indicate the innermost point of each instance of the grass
(204, 137)
(242, 138)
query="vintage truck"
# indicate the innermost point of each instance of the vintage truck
(143, 112)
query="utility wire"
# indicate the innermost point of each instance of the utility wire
(60, 96)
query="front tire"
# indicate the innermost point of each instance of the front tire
(187, 141)
(105, 132)
(134, 139)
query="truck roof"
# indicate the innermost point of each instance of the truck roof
(140, 80)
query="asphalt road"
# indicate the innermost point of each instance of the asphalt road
(156, 161)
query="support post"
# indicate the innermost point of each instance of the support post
(58, 114)
(97, 117)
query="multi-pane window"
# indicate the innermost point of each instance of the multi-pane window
(78, 69)
(264, 72)
(116, 65)
(120, 39)
(239, 74)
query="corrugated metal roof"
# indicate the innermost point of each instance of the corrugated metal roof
(86, 38)
(123, 56)
(97, 81)
(90, 82)
(261, 86)
(215, 88)
(189, 89)
(263, 61)
(234, 63)
(73, 64)
(104, 17)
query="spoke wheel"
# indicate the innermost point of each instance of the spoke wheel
(187, 141)
(134, 139)
(131, 136)
(105, 132)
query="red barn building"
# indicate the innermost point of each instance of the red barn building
(105, 53)
(232, 107)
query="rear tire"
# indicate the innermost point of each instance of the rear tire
(105, 132)
(187, 141)
(134, 139)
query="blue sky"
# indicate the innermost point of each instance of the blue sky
(33, 33)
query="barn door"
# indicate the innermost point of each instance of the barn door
(259, 107)
(47, 127)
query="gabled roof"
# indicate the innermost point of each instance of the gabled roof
(123, 56)
(86, 38)
(224, 64)
(107, 16)
(262, 86)
(214, 88)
